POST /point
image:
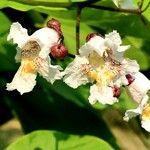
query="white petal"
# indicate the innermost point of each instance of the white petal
(48, 71)
(103, 95)
(74, 75)
(22, 82)
(146, 124)
(18, 55)
(125, 4)
(118, 53)
(121, 80)
(139, 87)
(130, 66)
(132, 113)
(114, 37)
(94, 44)
(113, 42)
(46, 38)
(18, 34)
(123, 48)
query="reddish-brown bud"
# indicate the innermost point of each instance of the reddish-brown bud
(116, 91)
(56, 25)
(129, 78)
(53, 22)
(59, 51)
(91, 35)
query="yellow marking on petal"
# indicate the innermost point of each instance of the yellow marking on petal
(95, 60)
(146, 112)
(93, 75)
(28, 67)
(109, 75)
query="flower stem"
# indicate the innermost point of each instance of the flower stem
(78, 17)
(133, 11)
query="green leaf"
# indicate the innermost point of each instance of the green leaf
(7, 51)
(40, 5)
(138, 52)
(48, 140)
(147, 11)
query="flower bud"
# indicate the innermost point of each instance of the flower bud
(129, 78)
(59, 51)
(116, 91)
(56, 25)
(91, 35)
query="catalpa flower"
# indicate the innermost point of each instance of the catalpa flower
(33, 53)
(100, 61)
(137, 89)
(125, 4)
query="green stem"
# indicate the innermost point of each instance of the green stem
(78, 18)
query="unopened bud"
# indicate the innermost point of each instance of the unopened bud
(129, 78)
(116, 91)
(53, 22)
(56, 25)
(59, 51)
(91, 35)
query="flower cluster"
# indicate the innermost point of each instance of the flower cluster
(100, 62)
(33, 53)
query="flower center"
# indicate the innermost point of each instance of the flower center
(30, 50)
(102, 70)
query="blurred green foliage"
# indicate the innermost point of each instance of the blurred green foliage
(57, 140)
(58, 107)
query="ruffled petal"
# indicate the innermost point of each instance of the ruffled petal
(113, 42)
(146, 124)
(48, 71)
(132, 113)
(46, 38)
(127, 67)
(146, 118)
(94, 44)
(139, 87)
(138, 111)
(123, 48)
(23, 81)
(130, 66)
(18, 34)
(74, 74)
(114, 37)
(103, 95)
(18, 55)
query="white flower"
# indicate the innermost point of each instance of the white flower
(99, 62)
(33, 53)
(125, 4)
(138, 91)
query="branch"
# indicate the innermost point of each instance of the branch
(133, 11)
(146, 7)
(79, 8)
